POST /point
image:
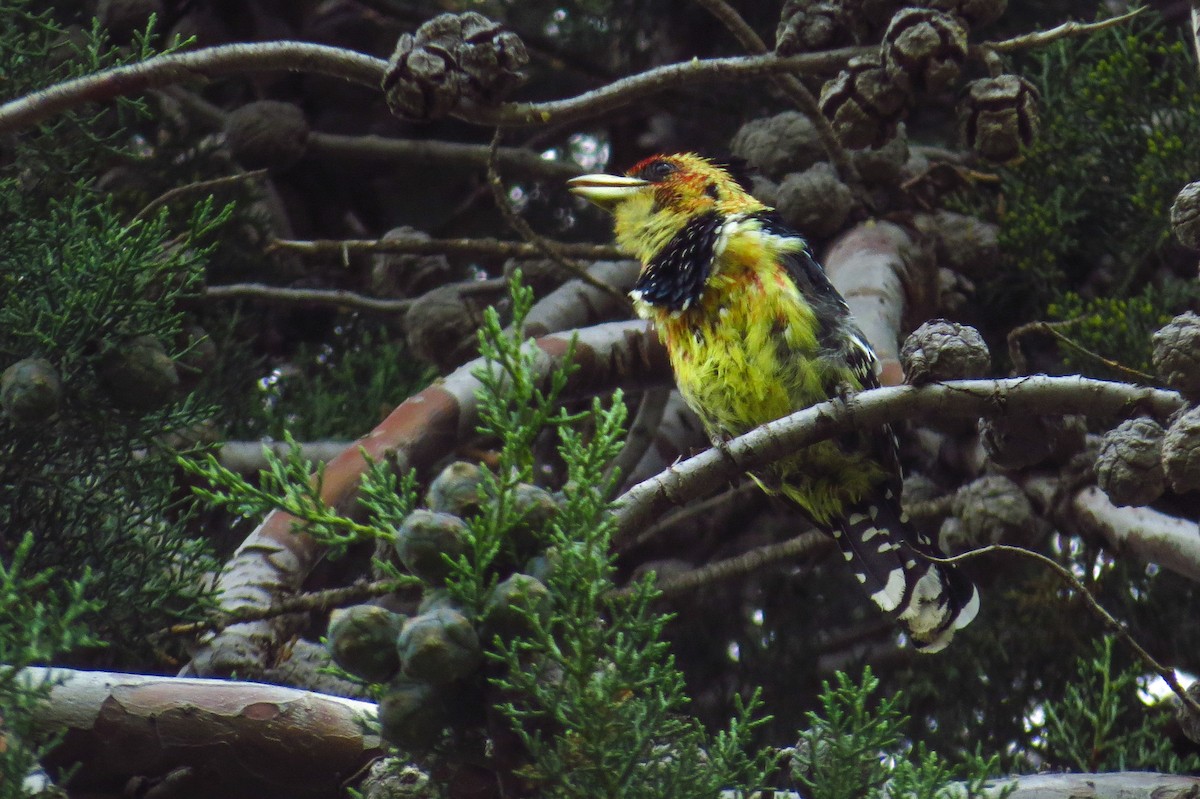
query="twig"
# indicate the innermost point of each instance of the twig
(1039, 38)
(704, 507)
(796, 91)
(1053, 329)
(467, 247)
(1035, 394)
(303, 603)
(429, 151)
(517, 223)
(739, 565)
(337, 297)
(1115, 626)
(193, 188)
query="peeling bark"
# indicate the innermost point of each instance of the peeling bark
(866, 265)
(216, 737)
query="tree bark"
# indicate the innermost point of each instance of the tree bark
(217, 737)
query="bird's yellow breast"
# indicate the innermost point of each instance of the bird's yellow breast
(744, 354)
(747, 353)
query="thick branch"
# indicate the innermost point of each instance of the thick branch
(238, 739)
(866, 265)
(1150, 535)
(1036, 394)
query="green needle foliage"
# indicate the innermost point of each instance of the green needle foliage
(95, 292)
(40, 618)
(855, 748)
(1101, 725)
(1120, 115)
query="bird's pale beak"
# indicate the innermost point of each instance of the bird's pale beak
(606, 191)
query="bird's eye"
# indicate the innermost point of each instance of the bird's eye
(656, 170)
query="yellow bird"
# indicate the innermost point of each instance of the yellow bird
(755, 331)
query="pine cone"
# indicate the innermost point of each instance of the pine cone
(425, 539)
(1185, 216)
(814, 202)
(1018, 442)
(267, 135)
(362, 640)
(395, 274)
(777, 145)
(991, 510)
(451, 58)
(808, 25)
(1176, 354)
(961, 242)
(926, 46)
(944, 350)
(438, 647)
(456, 489)
(1129, 466)
(440, 328)
(864, 103)
(1181, 451)
(30, 391)
(412, 715)
(998, 116)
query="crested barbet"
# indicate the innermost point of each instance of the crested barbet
(755, 331)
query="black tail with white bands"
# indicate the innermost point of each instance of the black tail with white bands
(930, 599)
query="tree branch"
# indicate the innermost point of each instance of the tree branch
(212, 62)
(429, 151)
(237, 739)
(866, 264)
(201, 65)
(743, 564)
(466, 247)
(1148, 534)
(1037, 394)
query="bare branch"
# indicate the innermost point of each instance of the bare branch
(228, 59)
(199, 187)
(429, 151)
(1040, 38)
(1037, 394)
(246, 457)
(337, 297)
(758, 558)
(303, 603)
(466, 247)
(197, 65)
(867, 266)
